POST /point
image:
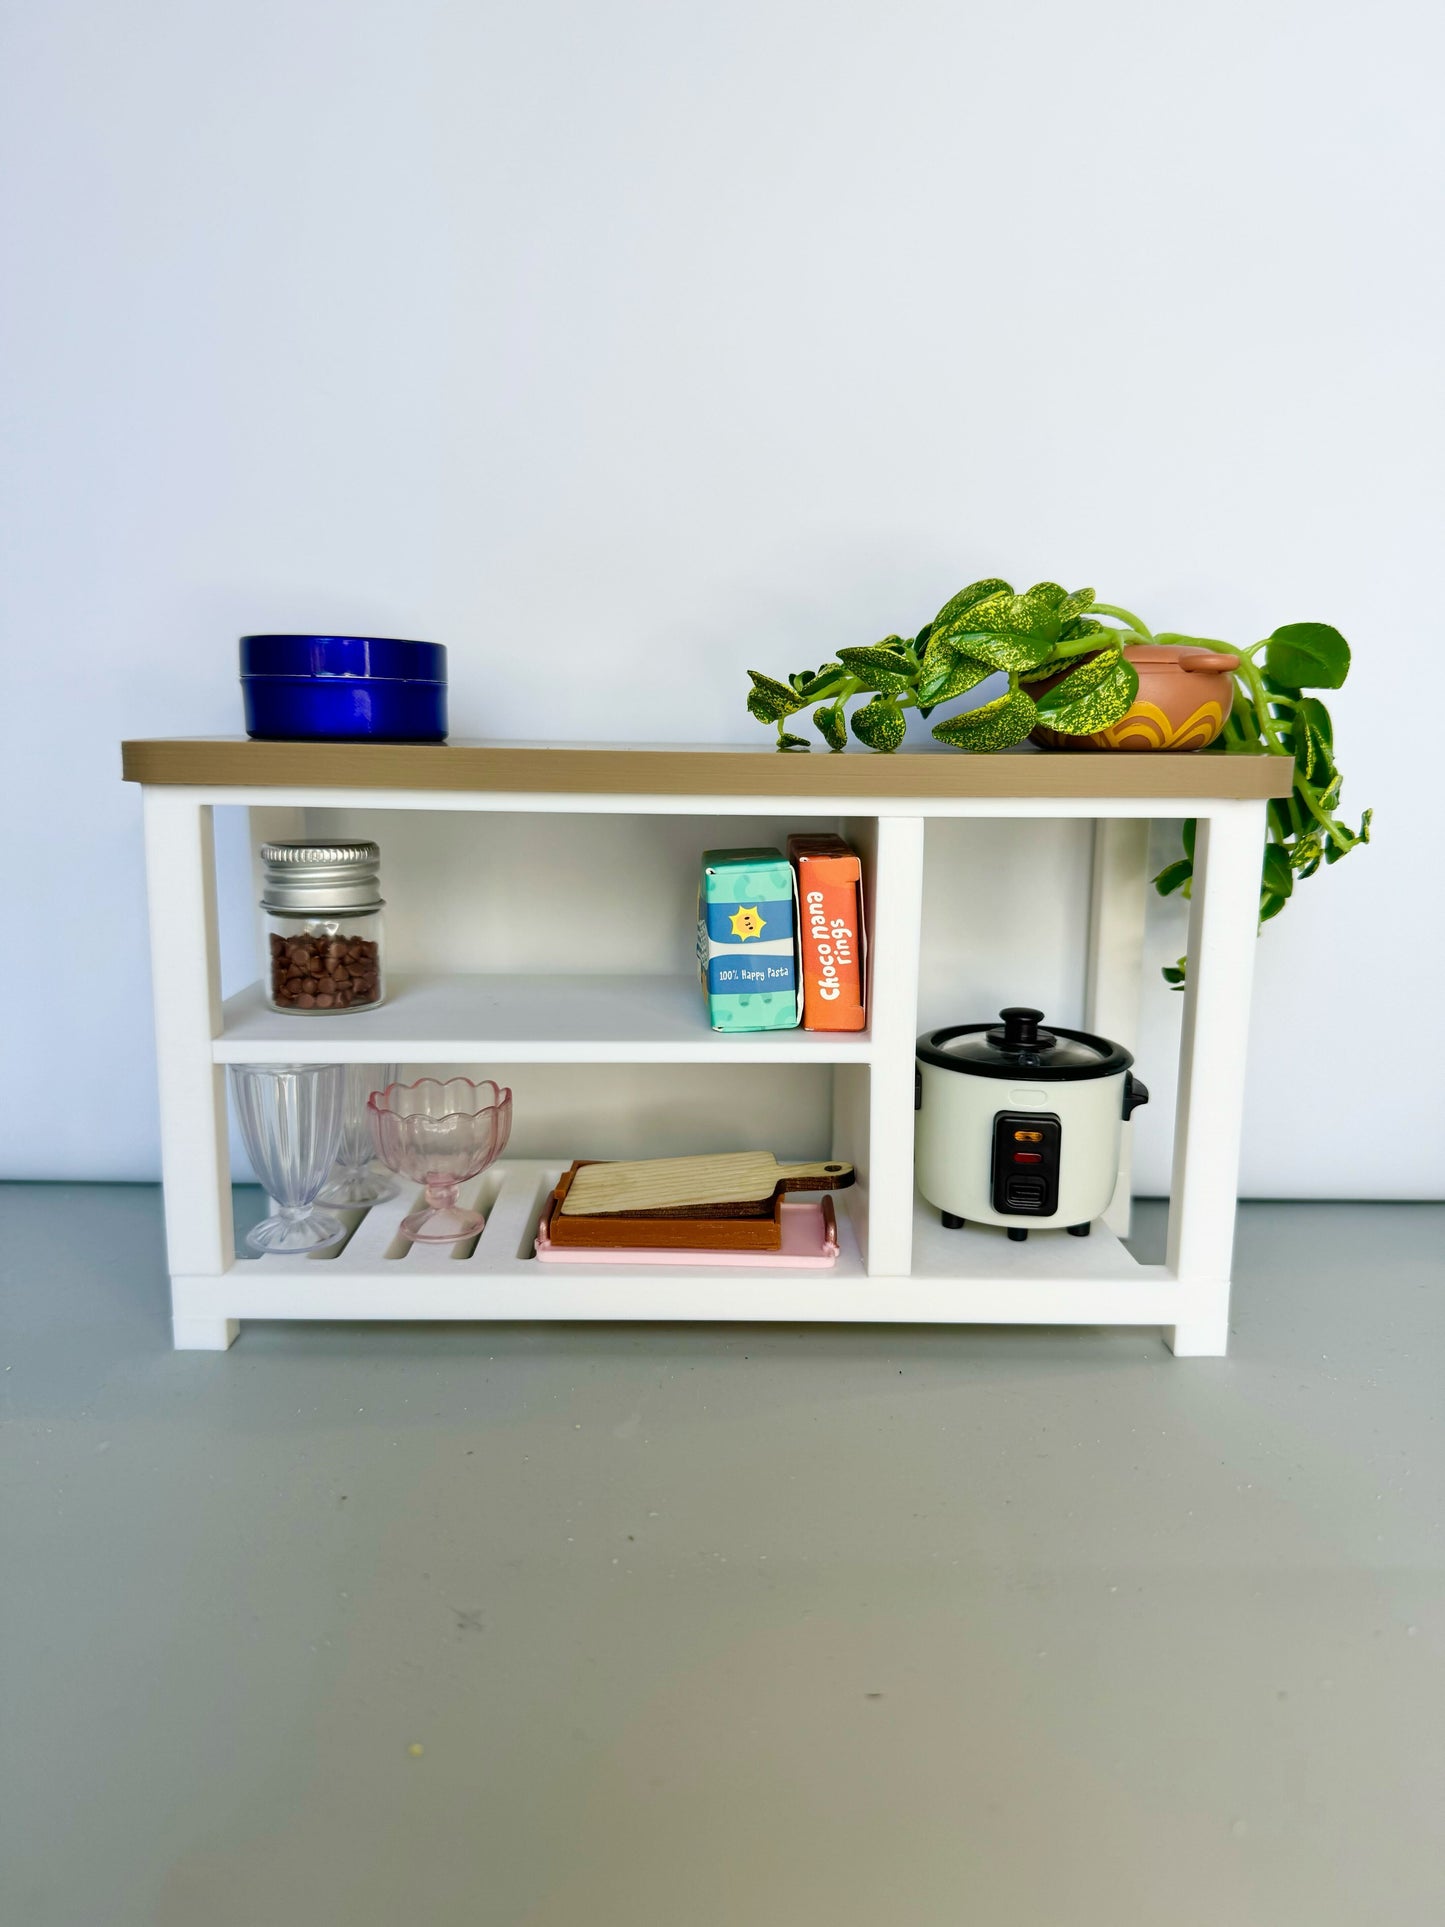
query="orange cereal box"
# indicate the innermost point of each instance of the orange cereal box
(831, 941)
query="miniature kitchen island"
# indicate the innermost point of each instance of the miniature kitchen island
(552, 1006)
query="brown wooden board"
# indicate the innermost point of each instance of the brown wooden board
(673, 770)
(729, 1233)
(727, 1184)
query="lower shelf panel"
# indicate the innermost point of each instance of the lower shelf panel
(975, 1276)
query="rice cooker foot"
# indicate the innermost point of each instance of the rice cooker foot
(1017, 1233)
(1079, 1230)
(950, 1222)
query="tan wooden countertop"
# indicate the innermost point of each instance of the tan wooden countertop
(233, 762)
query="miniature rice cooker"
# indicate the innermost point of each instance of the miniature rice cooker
(1019, 1126)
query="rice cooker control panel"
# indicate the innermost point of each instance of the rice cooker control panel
(1026, 1164)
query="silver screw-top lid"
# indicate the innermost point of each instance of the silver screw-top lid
(318, 879)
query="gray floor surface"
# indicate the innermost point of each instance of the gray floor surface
(722, 1627)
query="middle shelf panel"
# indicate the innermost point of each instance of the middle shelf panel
(533, 1018)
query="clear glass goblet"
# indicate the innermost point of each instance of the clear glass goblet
(356, 1180)
(290, 1117)
(440, 1134)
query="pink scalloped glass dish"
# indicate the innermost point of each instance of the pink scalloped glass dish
(439, 1134)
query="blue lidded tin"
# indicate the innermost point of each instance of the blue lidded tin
(344, 688)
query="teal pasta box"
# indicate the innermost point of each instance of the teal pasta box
(747, 922)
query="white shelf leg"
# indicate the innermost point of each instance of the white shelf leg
(204, 1334)
(895, 912)
(185, 974)
(1223, 926)
(1113, 977)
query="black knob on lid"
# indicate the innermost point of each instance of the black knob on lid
(1020, 1024)
(1021, 1031)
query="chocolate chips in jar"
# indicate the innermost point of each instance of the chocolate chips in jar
(324, 935)
(324, 972)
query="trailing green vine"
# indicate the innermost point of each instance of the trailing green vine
(1032, 639)
(1271, 711)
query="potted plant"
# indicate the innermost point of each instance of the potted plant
(1111, 685)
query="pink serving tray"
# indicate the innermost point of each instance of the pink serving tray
(810, 1243)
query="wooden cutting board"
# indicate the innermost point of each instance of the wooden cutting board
(733, 1183)
(692, 1229)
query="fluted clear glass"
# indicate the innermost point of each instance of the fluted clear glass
(358, 1180)
(290, 1117)
(440, 1134)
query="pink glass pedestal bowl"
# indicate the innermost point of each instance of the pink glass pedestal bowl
(439, 1134)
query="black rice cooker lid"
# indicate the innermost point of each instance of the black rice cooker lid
(1018, 1047)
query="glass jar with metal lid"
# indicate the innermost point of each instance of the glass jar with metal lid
(324, 942)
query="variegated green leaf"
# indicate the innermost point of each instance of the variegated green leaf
(1311, 736)
(938, 652)
(1078, 627)
(820, 682)
(1090, 697)
(1038, 610)
(952, 675)
(829, 723)
(879, 724)
(878, 667)
(1318, 717)
(1076, 604)
(770, 700)
(1307, 852)
(1002, 651)
(1010, 631)
(1077, 639)
(951, 614)
(786, 741)
(1309, 751)
(996, 725)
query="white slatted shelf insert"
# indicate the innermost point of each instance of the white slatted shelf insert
(1053, 1279)
(433, 1018)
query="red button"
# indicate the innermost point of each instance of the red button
(1028, 1157)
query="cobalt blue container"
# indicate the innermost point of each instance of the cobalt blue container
(323, 689)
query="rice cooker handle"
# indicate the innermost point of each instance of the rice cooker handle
(1136, 1092)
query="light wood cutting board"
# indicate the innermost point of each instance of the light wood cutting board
(729, 1227)
(738, 1179)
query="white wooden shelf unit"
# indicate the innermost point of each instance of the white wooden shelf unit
(897, 1265)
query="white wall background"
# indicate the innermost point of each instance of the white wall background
(625, 346)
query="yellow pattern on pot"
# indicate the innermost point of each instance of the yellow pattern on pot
(1144, 727)
(1147, 726)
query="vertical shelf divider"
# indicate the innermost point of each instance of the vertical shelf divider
(1113, 980)
(892, 848)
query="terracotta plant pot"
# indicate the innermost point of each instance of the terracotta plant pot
(1184, 697)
